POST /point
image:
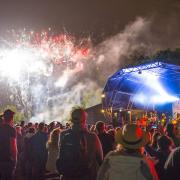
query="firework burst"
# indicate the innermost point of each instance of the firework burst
(38, 52)
(28, 61)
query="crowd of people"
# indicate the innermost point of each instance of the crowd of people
(78, 151)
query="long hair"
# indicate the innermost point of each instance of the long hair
(155, 139)
(53, 141)
(170, 130)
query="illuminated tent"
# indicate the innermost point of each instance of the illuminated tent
(147, 86)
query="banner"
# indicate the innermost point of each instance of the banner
(176, 108)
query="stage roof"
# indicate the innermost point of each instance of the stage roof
(144, 86)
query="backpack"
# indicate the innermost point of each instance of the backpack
(73, 157)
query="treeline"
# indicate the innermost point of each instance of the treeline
(166, 56)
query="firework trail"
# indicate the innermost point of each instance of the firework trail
(38, 67)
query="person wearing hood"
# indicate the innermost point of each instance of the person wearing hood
(127, 161)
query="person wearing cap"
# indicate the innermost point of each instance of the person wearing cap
(8, 146)
(127, 161)
(89, 141)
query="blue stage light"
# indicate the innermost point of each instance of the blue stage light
(153, 92)
(155, 85)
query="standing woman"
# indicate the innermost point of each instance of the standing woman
(53, 152)
(127, 161)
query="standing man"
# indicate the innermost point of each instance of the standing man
(105, 138)
(80, 151)
(8, 146)
(38, 152)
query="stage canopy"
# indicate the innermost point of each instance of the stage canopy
(145, 86)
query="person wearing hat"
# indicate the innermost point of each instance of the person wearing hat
(127, 161)
(80, 150)
(8, 146)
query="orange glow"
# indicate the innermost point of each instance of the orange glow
(102, 110)
(139, 132)
(103, 96)
(174, 122)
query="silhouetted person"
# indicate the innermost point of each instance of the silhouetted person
(27, 160)
(172, 165)
(80, 150)
(105, 138)
(39, 152)
(8, 146)
(170, 131)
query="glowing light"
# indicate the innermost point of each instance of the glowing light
(13, 62)
(174, 122)
(157, 93)
(79, 66)
(62, 81)
(35, 65)
(161, 99)
(37, 52)
(141, 98)
(103, 95)
(120, 110)
(102, 111)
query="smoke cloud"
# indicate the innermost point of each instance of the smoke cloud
(55, 95)
(84, 86)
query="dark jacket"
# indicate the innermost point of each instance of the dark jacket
(38, 148)
(107, 142)
(161, 157)
(94, 150)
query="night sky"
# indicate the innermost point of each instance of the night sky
(114, 30)
(97, 18)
